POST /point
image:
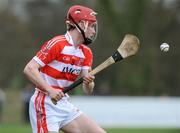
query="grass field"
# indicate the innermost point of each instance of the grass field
(27, 129)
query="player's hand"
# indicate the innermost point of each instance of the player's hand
(88, 83)
(55, 94)
(88, 79)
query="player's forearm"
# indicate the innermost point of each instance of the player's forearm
(88, 88)
(34, 76)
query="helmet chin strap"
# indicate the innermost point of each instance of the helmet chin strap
(87, 41)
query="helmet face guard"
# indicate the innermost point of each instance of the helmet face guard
(79, 13)
(93, 27)
(92, 38)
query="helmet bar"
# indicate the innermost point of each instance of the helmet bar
(86, 40)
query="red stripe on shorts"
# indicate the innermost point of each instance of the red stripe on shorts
(37, 113)
(44, 123)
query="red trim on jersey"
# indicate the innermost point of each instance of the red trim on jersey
(70, 59)
(44, 123)
(57, 74)
(50, 50)
(88, 55)
(54, 39)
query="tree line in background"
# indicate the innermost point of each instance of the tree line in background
(150, 72)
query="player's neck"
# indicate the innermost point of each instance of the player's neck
(76, 37)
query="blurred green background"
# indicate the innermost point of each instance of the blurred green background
(26, 24)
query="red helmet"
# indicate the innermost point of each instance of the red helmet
(79, 13)
(76, 14)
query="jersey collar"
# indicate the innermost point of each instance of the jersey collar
(69, 38)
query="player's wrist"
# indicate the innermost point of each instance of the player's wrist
(88, 88)
(48, 91)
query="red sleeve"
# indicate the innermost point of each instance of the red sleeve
(87, 63)
(48, 52)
